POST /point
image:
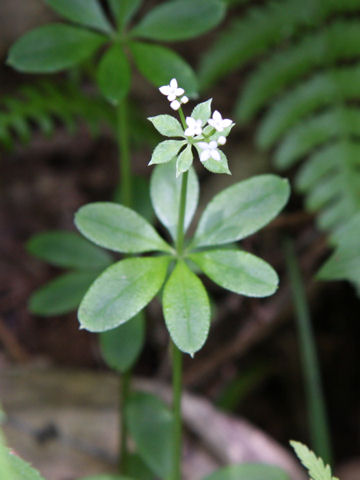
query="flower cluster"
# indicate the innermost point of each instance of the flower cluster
(174, 94)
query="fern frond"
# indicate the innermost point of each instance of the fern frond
(315, 465)
(338, 41)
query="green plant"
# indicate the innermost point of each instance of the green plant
(315, 466)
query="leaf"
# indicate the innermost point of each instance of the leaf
(52, 48)
(180, 20)
(165, 191)
(150, 424)
(160, 64)
(61, 295)
(141, 201)
(85, 12)
(217, 166)
(315, 466)
(166, 151)
(184, 161)
(121, 346)
(186, 309)
(137, 468)
(118, 228)
(242, 209)
(167, 125)
(121, 292)
(67, 250)
(249, 471)
(237, 271)
(13, 467)
(113, 74)
(202, 111)
(124, 10)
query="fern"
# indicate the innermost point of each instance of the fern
(315, 466)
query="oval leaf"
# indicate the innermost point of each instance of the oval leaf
(124, 10)
(113, 74)
(202, 111)
(242, 209)
(186, 309)
(184, 161)
(249, 471)
(52, 48)
(121, 292)
(167, 125)
(239, 272)
(166, 151)
(118, 228)
(180, 20)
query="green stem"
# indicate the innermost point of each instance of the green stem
(177, 427)
(124, 395)
(124, 153)
(181, 218)
(317, 418)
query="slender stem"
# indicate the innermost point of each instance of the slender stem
(317, 417)
(182, 118)
(125, 383)
(181, 218)
(124, 153)
(177, 426)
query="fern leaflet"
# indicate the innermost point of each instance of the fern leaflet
(315, 466)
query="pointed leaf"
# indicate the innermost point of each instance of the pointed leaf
(121, 346)
(113, 74)
(160, 64)
(249, 471)
(150, 424)
(165, 191)
(242, 209)
(53, 47)
(202, 111)
(118, 228)
(167, 125)
(166, 151)
(316, 468)
(121, 292)
(186, 309)
(85, 12)
(68, 250)
(217, 166)
(180, 20)
(238, 271)
(184, 161)
(124, 10)
(15, 467)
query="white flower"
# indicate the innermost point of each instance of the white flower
(218, 122)
(175, 105)
(210, 150)
(184, 99)
(194, 127)
(221, 140)
(172, 91)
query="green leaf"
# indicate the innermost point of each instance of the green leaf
(166, 151)
(238, 271)
(141, 201)
(137, 468)
(121, 292)
(180, 20)
(124, 10)
(160, 64)
(150, 424)
(114, 75)
(167, 125)
(202, 111)
(13, 467)
(121, 346)
(242, 209)
(165, 191)
(85, 12)
(315, 466)
(184, 161)
(61, 295)
(52, 48)
(186, 309)
(249, 471)
(67, 250)
(217, 166)
(118, 228)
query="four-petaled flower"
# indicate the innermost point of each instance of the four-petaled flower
(218, 122)
(172, 91)
(209, 150)
(194, 127)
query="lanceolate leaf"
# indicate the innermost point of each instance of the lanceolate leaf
(53, 47)
(118, 228)
(167, 125)
(242, 209)
(186, 309)
(202, 111)
(180, 20)
(249, 471)
(166, 151)
(165, 196)
(113, 75)
(124, 10)
(16, 467)
(121, 292)
(218, 166)
(238, 271)
(184, 161)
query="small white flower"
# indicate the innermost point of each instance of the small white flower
(175, 105)
(218, 122)
(172, 91)
(210, 150)
(194, 127)
(184, 99)
(221, 140)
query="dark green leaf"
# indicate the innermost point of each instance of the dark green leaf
(249, 471)
(124, 10)
(114, 75)
(137, 468)
(53, 47)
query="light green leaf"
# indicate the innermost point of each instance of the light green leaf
(315, 466)
(121, 292)
(118, 228)
(186, 309)
(249, 471)
(242, 209)
(165, 191)
(150, 424)
(67, 250)
(113, 74)
(121, 346)
(160, 64)
(85, 12)
(61, 295)
(166, 151)
(141, 201)
(238, 271)
(217, 166)
(180, 20)
(202, 111)
(124, 10)
(184, 161)
(13, 467)
(167, 125)
(53, 47)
